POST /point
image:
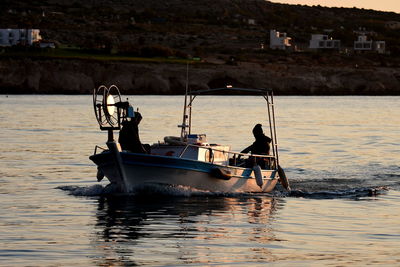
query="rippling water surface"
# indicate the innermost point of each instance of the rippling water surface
(341, 154)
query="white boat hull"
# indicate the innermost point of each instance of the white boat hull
(136, 170)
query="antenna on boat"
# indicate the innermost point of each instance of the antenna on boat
(185, 124)
(272, 125)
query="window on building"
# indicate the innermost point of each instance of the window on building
(336, 44)
(321, 44)
(329, 44)
(358, 45)
(367, 45)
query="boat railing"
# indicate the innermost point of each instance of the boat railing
(98, 147)
(234, 158)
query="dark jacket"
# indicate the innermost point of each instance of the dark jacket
(129, 135)
(260, 146)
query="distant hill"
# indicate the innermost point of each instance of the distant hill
(189, 27)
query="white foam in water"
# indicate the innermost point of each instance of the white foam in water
(94, 190)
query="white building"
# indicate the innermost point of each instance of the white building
(322, 41)
(10, 37)
(278, 40)
(362, 44)
(380, 47)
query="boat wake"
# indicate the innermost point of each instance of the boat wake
(361, 182)
(94, 190)
(153, 190)
(353, 193)
(181, 191)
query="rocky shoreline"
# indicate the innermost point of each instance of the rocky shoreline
(73, 76)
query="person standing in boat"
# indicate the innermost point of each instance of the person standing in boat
(259, 147)
(129, 135)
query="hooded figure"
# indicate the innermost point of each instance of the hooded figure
(129, 135)
(260, 145)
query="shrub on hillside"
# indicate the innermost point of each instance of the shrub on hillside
(156, 51)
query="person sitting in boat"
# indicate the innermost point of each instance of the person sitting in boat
(129, 135)
(260, 147)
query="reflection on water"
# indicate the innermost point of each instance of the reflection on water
(218, 230)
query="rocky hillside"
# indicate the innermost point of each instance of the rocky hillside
(76, 77)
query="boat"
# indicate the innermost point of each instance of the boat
(188, 160)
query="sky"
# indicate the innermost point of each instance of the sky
(382, 5)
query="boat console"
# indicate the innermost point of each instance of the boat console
(195, 147)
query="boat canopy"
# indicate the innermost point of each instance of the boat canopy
(261, 91)
(266, 93)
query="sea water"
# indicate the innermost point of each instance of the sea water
(341, 154)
